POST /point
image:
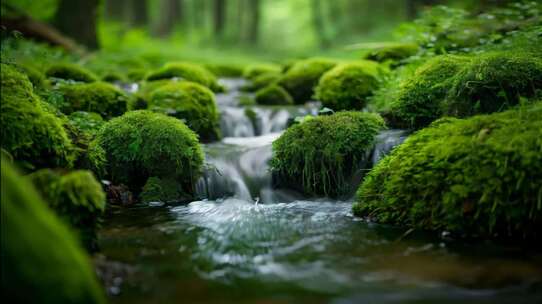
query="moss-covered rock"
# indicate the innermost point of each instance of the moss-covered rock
(113, 77)
(347, 86)
(478, 176)
(33, 136)
(393, 52)
(323, 153)
(38, 79)
(141, 144)
(136, 74)
(165, 190)
(301, 79)
(225, 69)
(494, 82)
(191, 102)
(89, 122)
(262, 81)
(273, 95)
(421, 96)
(254, 70)
(99, 97)
(69, 71)
(187, 71)
(76, 197)
(41, 259)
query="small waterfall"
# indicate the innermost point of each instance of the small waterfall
(385, 142)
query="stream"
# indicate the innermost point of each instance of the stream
(245, 242)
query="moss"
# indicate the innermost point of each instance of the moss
(393, 52)
(301, 79)
(33, 136)
(164, 190)
(252, 116)
(323, 153)
(187, 71)
(273, 95)
(254, 70)
(420, 97)
(262, 81)
(136, 75)
(69, 71)
(113, 77)
(493, 82)
(41, 260)
(348, 85)
(225, 69)
(477, 176)
(141, 144)
(89, 122)
(37, 78)
(100, 97)
(76, 197)
(191, 102)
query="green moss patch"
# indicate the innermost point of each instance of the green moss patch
(393, 52)
(187, 71)
(89, 122)
(254, 70)
(273, 95)
(163, 190)
(478, 176)
(262, 81)
(69, 71)
(321, 154)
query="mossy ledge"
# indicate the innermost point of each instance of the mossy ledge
(187, 71)
(479, 176)
(70, 71)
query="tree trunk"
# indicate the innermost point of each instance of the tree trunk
(254, 21)
(140, 16)
(77, 19)
(114, 9)
(170, 14)
(219, 17)
(318, 22)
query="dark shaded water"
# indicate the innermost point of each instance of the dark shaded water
(254, 244)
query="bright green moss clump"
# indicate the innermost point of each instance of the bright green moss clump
(478, 176)
(493, 82)
(37, 78)
(347, 86)
(262, 81)
(141, 144)
(41, 260)
(254, 70)
(393, 52)
(161, 190)
(225, 69)
(69, 71)
(32, 135)
(273, 95)
(187, 71)
(301, 79)
(77, 197)
(321, 154)
(421, 96)
(100, 97)
(191, 102)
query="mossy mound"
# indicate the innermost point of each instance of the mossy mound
(393, 52)
(187, 71)
(191, 102)
(41, 259)
(347, 86)
(136, 75)
(477, 176)
(69, 71)
(273, 95)
(301, 79)
(164, 190)
(323, 153)
(76, 197)
(141, 144)
(254, 70)
(32, 135)
(420, 97)
(225, 69)
(99, 97)
(89, 122)
(262, 81)
(37, 78)
(494, 82)
(113, 77)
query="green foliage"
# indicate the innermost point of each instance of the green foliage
(191, 102)
(301, 79)
(478, 176)
(187, 71)
(254, 70)
(41, 260)
(225, 69)
(37, 78)
(493, 82)
(99, 97)
(70, 71)
(141, 144)
(420, 97)
(89, 122)
(393, 52)
(262, 81)
(164, 190)
(76, 197)
(33, 136)
(113, 77)
(347, 86)
(273, 95)
(323, 153)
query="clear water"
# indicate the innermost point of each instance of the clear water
(245, 242)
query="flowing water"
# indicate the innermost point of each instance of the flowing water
(245, 242)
